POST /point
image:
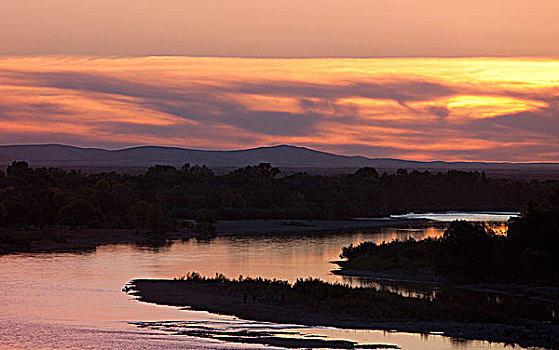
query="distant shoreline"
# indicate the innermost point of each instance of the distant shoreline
(288, 226)
(89, 239)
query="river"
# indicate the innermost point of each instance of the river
(74, 300)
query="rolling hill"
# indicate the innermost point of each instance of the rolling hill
(287, 158)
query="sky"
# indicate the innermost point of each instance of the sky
(280, 28)
(421, 80)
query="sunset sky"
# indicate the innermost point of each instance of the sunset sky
(422, 80)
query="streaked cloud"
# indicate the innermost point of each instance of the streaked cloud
(451, 109)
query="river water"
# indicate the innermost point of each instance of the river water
(74, 300)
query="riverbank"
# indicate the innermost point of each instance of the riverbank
(316, 303)
(88, 239)
(417, 275)
(84, 240)
(284, 226)
(425, 279)
(469, 257)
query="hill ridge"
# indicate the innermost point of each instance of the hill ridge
(282, 156)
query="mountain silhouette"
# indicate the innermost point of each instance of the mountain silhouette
(282, 156)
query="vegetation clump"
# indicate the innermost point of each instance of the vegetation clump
(473, 252)
(363, 302)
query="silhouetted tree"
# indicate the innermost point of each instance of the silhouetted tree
(367, 172)
(465, 250)
(19, 168)
(3, 213)
(78, 213)
(534, 237)
(156, 221)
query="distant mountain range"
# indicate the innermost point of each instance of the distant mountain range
(288, 158)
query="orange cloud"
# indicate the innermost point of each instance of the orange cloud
(425, 109)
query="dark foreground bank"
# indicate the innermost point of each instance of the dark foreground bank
(312, 302)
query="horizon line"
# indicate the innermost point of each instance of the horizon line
(276, 146)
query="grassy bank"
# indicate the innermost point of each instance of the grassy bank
(312, 302)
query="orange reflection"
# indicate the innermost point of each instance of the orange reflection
(500, 229)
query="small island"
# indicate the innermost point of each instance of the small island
(316, 303)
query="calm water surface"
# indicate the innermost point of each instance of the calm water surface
(74, 301)
(486, 216)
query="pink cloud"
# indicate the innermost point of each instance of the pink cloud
(448, 109)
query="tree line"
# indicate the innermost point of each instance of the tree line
(158, 199)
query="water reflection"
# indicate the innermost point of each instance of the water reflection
(286, 257)
(407, 289)
(74, 301)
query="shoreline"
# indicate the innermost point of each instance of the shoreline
(89, 239)
(419, 276)
(289, 226)
(67, 240)
(545, 293)
(205, 296)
